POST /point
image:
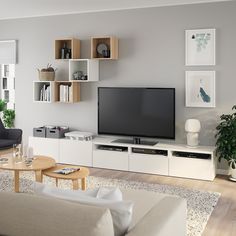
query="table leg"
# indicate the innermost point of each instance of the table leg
(57, 182)
(75, 184)
(17, 181)
(38, 176)
(83, 183)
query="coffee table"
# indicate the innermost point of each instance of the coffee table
(75, 176)
(39, 163)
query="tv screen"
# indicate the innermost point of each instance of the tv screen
(137, 112)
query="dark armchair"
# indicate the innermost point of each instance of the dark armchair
(8, 137)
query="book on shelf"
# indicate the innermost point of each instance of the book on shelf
(45, 93)
(65, 93)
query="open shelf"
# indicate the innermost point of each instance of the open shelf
(43, 91)
(72, 44)
(86, 70)
(67, 91)
(111, 43)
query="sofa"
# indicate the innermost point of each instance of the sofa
(32, 215)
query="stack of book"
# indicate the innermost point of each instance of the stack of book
(66, 93)
(45, 93)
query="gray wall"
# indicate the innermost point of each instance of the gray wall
(151, 49)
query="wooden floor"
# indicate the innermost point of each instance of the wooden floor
(223, 219)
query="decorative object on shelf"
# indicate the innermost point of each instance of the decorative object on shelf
(65, 52)
(79, 75)
(47, 74)
(103, 50)
(192, 127)
(200, 88)
(226, 140)
(200, 47)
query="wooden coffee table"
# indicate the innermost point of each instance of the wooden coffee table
(75, 176)
(39, 163)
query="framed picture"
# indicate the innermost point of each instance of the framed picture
(200, 47)
(200, 88)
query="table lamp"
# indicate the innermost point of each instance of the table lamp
(192, 127)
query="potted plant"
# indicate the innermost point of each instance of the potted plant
(8, 118)
(226, 140)
(2, 105)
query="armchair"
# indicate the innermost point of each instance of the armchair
(8, 137)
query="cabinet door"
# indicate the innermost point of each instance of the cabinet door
(110, 159)
(45, 147)
(76, 152)
(152, 164)
(192, 168)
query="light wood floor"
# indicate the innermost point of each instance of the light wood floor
(223, 219)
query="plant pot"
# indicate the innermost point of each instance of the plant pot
(47, 75)
(233, 173)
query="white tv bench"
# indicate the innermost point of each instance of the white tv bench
(161, 159)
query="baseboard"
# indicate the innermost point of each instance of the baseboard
(222, 172)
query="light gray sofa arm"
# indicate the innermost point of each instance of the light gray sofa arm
(167, 218)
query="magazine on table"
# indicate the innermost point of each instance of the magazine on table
(66, 170)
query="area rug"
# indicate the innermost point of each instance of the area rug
(200, 204)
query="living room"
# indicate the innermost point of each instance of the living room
(126, 47)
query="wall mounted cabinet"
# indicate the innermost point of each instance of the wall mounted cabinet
(71, 45)
(83, 70)
(43, 91)
(67, 91)
(104, 48)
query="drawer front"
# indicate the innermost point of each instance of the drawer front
(152, 164)
(76, 152)
(191, 168)
(110, 160)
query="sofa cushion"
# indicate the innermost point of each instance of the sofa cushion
(121, 211)
(168, 217)
(24, 214)
(143, 201)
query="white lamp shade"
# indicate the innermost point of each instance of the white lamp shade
(192, 125)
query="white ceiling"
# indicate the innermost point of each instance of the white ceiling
(11, 9)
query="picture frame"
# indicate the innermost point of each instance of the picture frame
(200, 47)
(200, 88)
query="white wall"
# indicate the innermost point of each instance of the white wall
(151, 53)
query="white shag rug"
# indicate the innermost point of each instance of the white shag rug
(200, 204)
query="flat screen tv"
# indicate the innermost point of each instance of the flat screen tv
(136, 112)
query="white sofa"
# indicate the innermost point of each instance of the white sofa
(30, 215)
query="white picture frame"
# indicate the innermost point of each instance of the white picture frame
(200, 88)
(200, 47)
